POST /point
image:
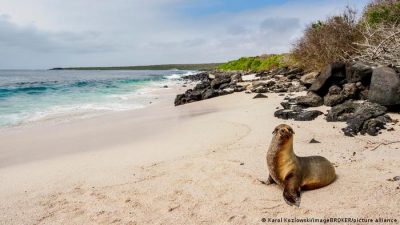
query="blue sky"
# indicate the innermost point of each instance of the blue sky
(49, 33)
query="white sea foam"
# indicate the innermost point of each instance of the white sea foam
(69, 112)
(178, 76)
(173, 76)
(11, 119)
(120, 96)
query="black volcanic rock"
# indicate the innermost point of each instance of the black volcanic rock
(363, 118)
(209, 93)
(313, 141)
(222, 83)
(373, 126)
(341, 112)
(298, 115)
(218, 81)
(309, 78)
(385, 87)
(359, 72)
(203, 85)
(196, 77)
(310, 100)
(336, 95)
(334, 73)
(259, 95)
(363, 113)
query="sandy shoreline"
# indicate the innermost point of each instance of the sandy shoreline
(194, 164)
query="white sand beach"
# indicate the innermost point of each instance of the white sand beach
(198, 163)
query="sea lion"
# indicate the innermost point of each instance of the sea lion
(295, 173)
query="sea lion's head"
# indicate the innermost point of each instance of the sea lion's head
(283, 132)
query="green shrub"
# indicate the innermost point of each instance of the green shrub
(382, 12)
(258, 63)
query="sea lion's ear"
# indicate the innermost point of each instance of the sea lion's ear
(291, 130)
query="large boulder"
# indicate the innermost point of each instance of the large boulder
(349, 90)
(358, 72)
(224, 85)
(294, 73)
(309, 78)
(189, 96)
(196, 77)
(209, 93)
(180, 99)
(310, 100)
(334, 96)
(334, 73)
(385, 87)
(194, 95)
(237, 77)
(261, 83)
(219, 80)
(227, 91)
(295, 70)
(238, 88)
(332, 100)
(202, 85)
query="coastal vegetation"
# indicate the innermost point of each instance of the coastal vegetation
(371, 37)
(382, 12)
(257, 63)
(326, 41)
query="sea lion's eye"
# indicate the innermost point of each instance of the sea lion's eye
(291, 130)
(275, 130)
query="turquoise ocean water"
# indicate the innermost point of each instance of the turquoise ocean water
(31, 95)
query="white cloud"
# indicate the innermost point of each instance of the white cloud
(50, 33)
(29, 38)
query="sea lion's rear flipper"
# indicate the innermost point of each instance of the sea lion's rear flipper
(291, 191)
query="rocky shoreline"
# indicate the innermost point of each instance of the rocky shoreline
(360, 94)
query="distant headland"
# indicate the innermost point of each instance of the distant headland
(204, 66)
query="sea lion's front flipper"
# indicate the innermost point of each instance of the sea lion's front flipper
(270, 180)
(267, 182)
(291, 191)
